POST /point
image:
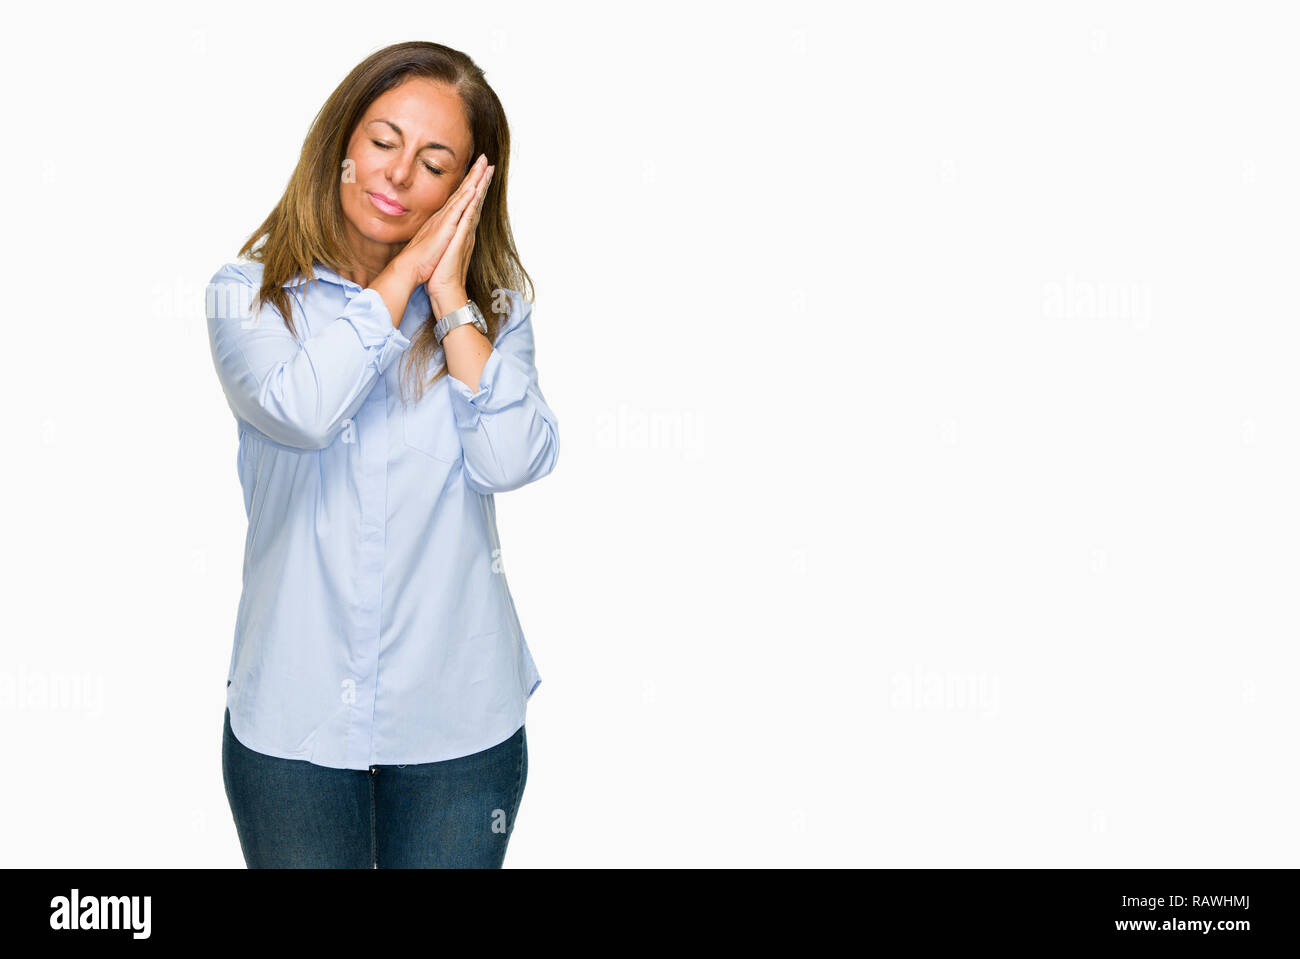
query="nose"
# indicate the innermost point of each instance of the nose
(399, 171)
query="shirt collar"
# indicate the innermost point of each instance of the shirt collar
(323, 272)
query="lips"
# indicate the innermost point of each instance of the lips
(386, 204)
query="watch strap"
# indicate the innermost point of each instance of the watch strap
(469, 313)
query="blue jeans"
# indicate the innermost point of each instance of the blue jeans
(458, 813)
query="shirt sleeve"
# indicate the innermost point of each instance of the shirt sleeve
(509, 435)
(298, 392)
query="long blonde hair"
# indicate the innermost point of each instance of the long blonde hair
(307, 224)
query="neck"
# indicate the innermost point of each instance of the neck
(370, 258)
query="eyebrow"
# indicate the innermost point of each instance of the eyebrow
(431, 145)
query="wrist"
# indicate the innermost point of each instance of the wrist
(403, 271)
(444, 301)
(467, 315)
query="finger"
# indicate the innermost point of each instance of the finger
(469, 182)
(467, 223)
(474, 219)
(468, 216)
(482, 195)
(466, 203)
(452, 250)
(472, 194)
(456, 207)
(466, 184)
(468, 208)
(458, 248)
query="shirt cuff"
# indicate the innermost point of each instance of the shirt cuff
(500, 385)
(369, 316)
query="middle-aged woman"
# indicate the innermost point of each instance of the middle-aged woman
(377, 353)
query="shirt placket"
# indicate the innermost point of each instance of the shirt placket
(372, 433)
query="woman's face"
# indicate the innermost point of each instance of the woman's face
(408, 154)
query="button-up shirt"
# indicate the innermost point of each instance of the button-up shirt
(375, 625)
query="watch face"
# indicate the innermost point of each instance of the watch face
(479, 322)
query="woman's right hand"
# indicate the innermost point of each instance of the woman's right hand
(423, 251)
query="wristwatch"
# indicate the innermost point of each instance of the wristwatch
(469, 313)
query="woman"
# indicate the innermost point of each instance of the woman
(377, 353)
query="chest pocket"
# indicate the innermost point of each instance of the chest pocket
(429, 426)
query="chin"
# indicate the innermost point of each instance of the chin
(375, 229)
(385, 237)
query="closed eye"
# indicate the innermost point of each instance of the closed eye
(388, 146)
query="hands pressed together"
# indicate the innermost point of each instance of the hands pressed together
(438, 255)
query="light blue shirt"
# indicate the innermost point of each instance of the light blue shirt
(375, 624)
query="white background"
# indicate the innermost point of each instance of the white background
(929, 425)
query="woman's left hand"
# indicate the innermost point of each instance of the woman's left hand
(446, 286)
